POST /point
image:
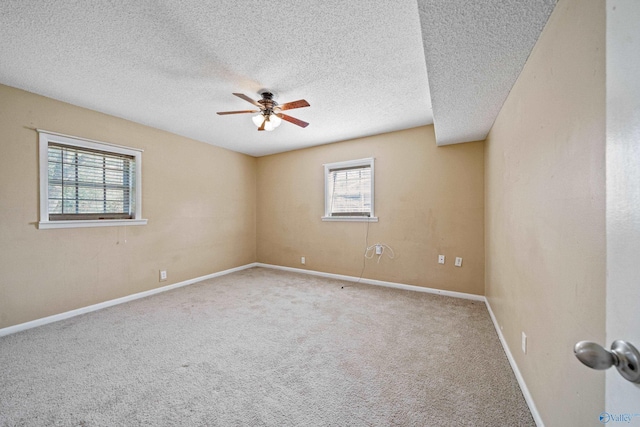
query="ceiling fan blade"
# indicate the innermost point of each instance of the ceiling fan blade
(295, 104)
(246, 98)
(222, 113)
(293, 120)
(264, 122)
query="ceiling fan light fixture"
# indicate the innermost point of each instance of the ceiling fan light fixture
(275, 120)
(268, 124)
(257, 120)
(272, 121)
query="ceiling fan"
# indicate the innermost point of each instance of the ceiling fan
(271, 115)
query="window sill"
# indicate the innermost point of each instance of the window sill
(43, 225)
(350, 218)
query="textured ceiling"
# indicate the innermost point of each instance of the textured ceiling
(360, 64)
(474, 52)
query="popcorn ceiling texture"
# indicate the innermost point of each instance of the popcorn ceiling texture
(360, 64)
(474, 53)
(173, 65)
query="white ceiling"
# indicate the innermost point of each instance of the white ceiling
(361, 64)
(474, 52)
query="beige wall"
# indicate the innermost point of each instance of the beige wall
(199, 200)
(203, 218)
(545, 213)
(429, 201)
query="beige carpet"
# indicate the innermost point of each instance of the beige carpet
(265, 348)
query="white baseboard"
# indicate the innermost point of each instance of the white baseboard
(523, 386)
(67, 314)
(376, 282)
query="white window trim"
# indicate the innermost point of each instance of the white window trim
(369, 161)
(44, 138)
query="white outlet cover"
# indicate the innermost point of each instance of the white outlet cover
(458, 262)
(440, 259)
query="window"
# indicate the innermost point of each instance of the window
(86, 183)
(348, 188)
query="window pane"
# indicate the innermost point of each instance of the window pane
(69, 206)
(55, 206)
(350, 191)
(87, 182)
(119, 195)
(115, 207)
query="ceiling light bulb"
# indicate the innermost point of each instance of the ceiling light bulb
(268, 125)
(257, 120)
(275, 121)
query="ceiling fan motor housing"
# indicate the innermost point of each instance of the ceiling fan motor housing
(268, 102)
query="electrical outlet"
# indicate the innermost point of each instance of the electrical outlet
(524, 343)
(440, 259)
(378, 249)
(303, 260)
(163, 275)
(458, 262)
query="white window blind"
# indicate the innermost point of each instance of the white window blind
(350, 190)
(349, 194)
(88, 184)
